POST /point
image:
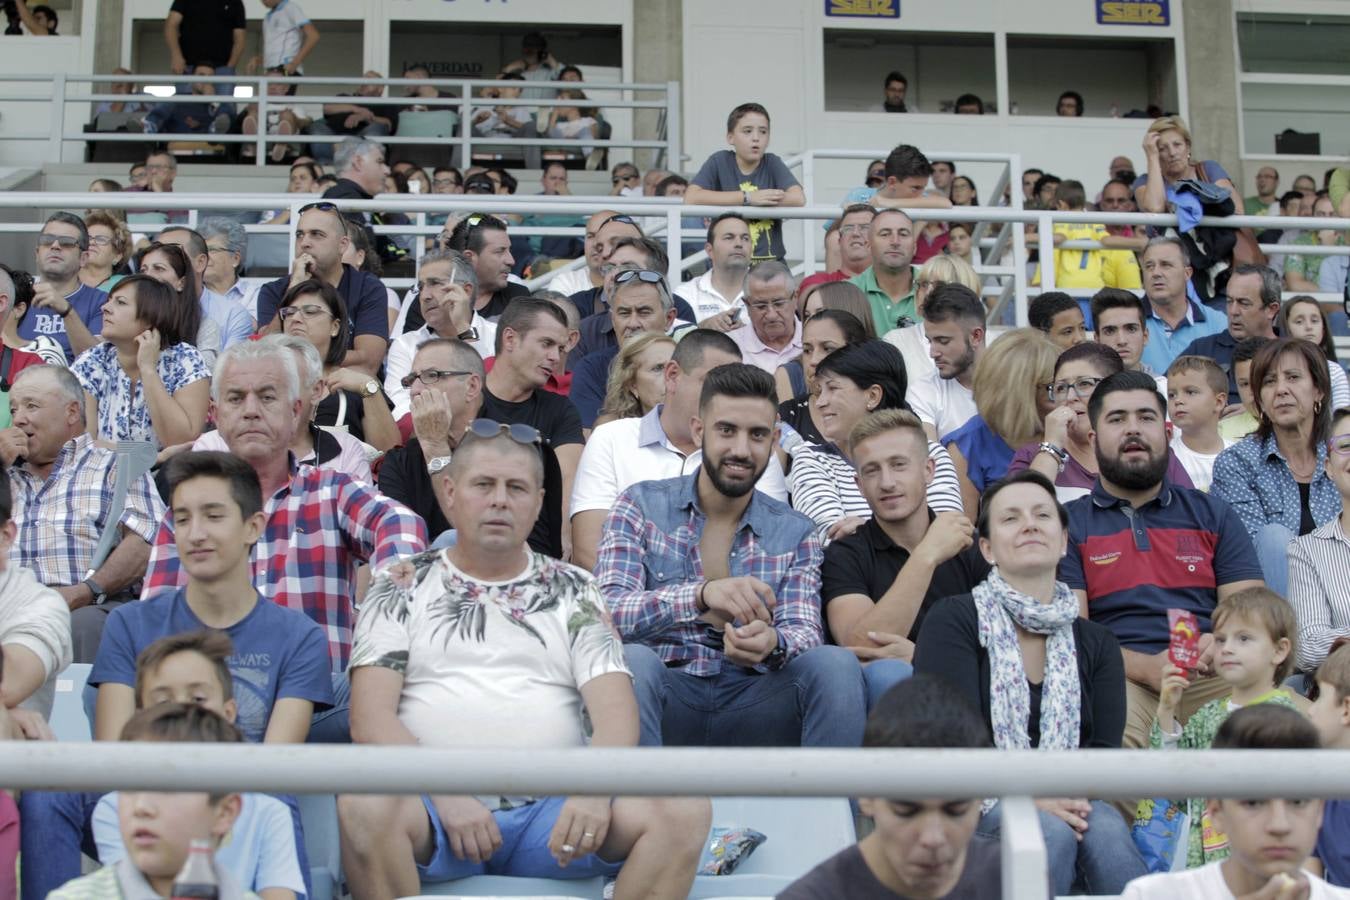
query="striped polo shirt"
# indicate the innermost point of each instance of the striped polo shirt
(1171, 553)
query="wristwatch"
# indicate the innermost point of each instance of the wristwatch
(745, 198)
(437, 463)
(1059, 453)
(372, 387)
(96, 589)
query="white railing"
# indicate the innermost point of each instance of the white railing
(1016, 776)
(462, 103)
(419, 206)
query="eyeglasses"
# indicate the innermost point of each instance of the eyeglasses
(65, 242)
(874, 180)
(854, 229)
(926, 285)
(445, 182)
(211, 249)
(430, 377)
(516, 431)
(1339, 445)
(618, 179)
(1082, 389)
(763, 306)
(308, 310)
(646, 276)
(100, 240)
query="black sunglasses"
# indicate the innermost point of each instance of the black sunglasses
(623, 220)
(516, 431)
(647, 276)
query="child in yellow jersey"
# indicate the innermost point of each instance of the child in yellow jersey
(1114, 266)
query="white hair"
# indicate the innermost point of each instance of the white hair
(65, 381)
(308, 353)
(268, 348)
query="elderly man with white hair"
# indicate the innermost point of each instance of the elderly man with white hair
(320, 523)
(226, 248)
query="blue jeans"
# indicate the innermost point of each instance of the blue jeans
(1103, 862)
(880, 675)
(1272, 552)
(334, 725)
(817, 700)
(55, 829)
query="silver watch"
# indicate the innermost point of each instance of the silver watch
(437, 463)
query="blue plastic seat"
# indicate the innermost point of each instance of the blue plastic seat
(68, 720)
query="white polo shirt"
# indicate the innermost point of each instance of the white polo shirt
(944, 403)
(704, 298)
(623, 452)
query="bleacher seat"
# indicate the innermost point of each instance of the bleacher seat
(424, 123)
(318, 816)
(68, 720)
(801, 832)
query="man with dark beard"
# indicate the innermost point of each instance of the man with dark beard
(715, 589)
(1139, 546)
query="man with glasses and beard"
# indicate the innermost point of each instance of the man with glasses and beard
(715, 588)
(1140, 545)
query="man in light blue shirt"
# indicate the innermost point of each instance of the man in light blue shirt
(233, 320)
(1174, 319)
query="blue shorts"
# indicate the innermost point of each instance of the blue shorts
(524, 851)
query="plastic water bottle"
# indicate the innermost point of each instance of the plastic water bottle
(197, 879)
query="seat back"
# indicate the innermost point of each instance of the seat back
(68, 719)
(428, 123)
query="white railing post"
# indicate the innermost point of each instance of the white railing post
(809, 227)
(1045, 245)
(674, 247)
(1019, 258)
(260, 153)
(674, 139)
(58, 119)
(1024, 858)
(465, 128)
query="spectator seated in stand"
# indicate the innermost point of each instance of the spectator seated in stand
(919, 847)
(1059, 317)
(543, 649)
(850, 383)
(109, 250)
(678, 608)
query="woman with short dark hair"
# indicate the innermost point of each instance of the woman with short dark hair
(1043, 676)
(145, 381)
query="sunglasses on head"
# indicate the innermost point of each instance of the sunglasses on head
(647, 276)
(516, 431)
(321, 205)
(622, 220)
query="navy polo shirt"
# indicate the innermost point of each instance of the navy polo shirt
(1135, 564)
(365, 295)
(1218, 347)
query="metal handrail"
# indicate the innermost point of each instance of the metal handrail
(462, 104)
(650, 207)
(1014, 775)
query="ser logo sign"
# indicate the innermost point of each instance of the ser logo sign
(863, 9)
(1133, 12)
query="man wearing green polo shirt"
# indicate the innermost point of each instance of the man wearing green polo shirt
(890, 281)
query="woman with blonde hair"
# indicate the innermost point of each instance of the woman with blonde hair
(1011, 387)
(1167, 150)
(637, 377)
(109, 249)
(912, 340)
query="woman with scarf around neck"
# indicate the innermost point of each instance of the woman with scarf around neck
(1043, 676)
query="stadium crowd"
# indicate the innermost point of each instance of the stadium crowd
(744, 510)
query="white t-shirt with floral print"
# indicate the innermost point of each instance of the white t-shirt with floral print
(488, 664)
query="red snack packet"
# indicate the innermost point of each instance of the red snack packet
(1184, 647)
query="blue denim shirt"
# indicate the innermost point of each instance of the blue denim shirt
(650, 570)
(1254, 477)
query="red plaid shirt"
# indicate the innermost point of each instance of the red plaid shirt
(318, 528)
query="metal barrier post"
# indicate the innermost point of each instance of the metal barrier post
(1045, 244)
(1019, 283)
(673, 246)
(465, 129)
(58, 120)
(674, 139)
(260, 153)
(808, 229)
(1023, 845)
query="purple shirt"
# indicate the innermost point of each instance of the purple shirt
(1076, 481)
